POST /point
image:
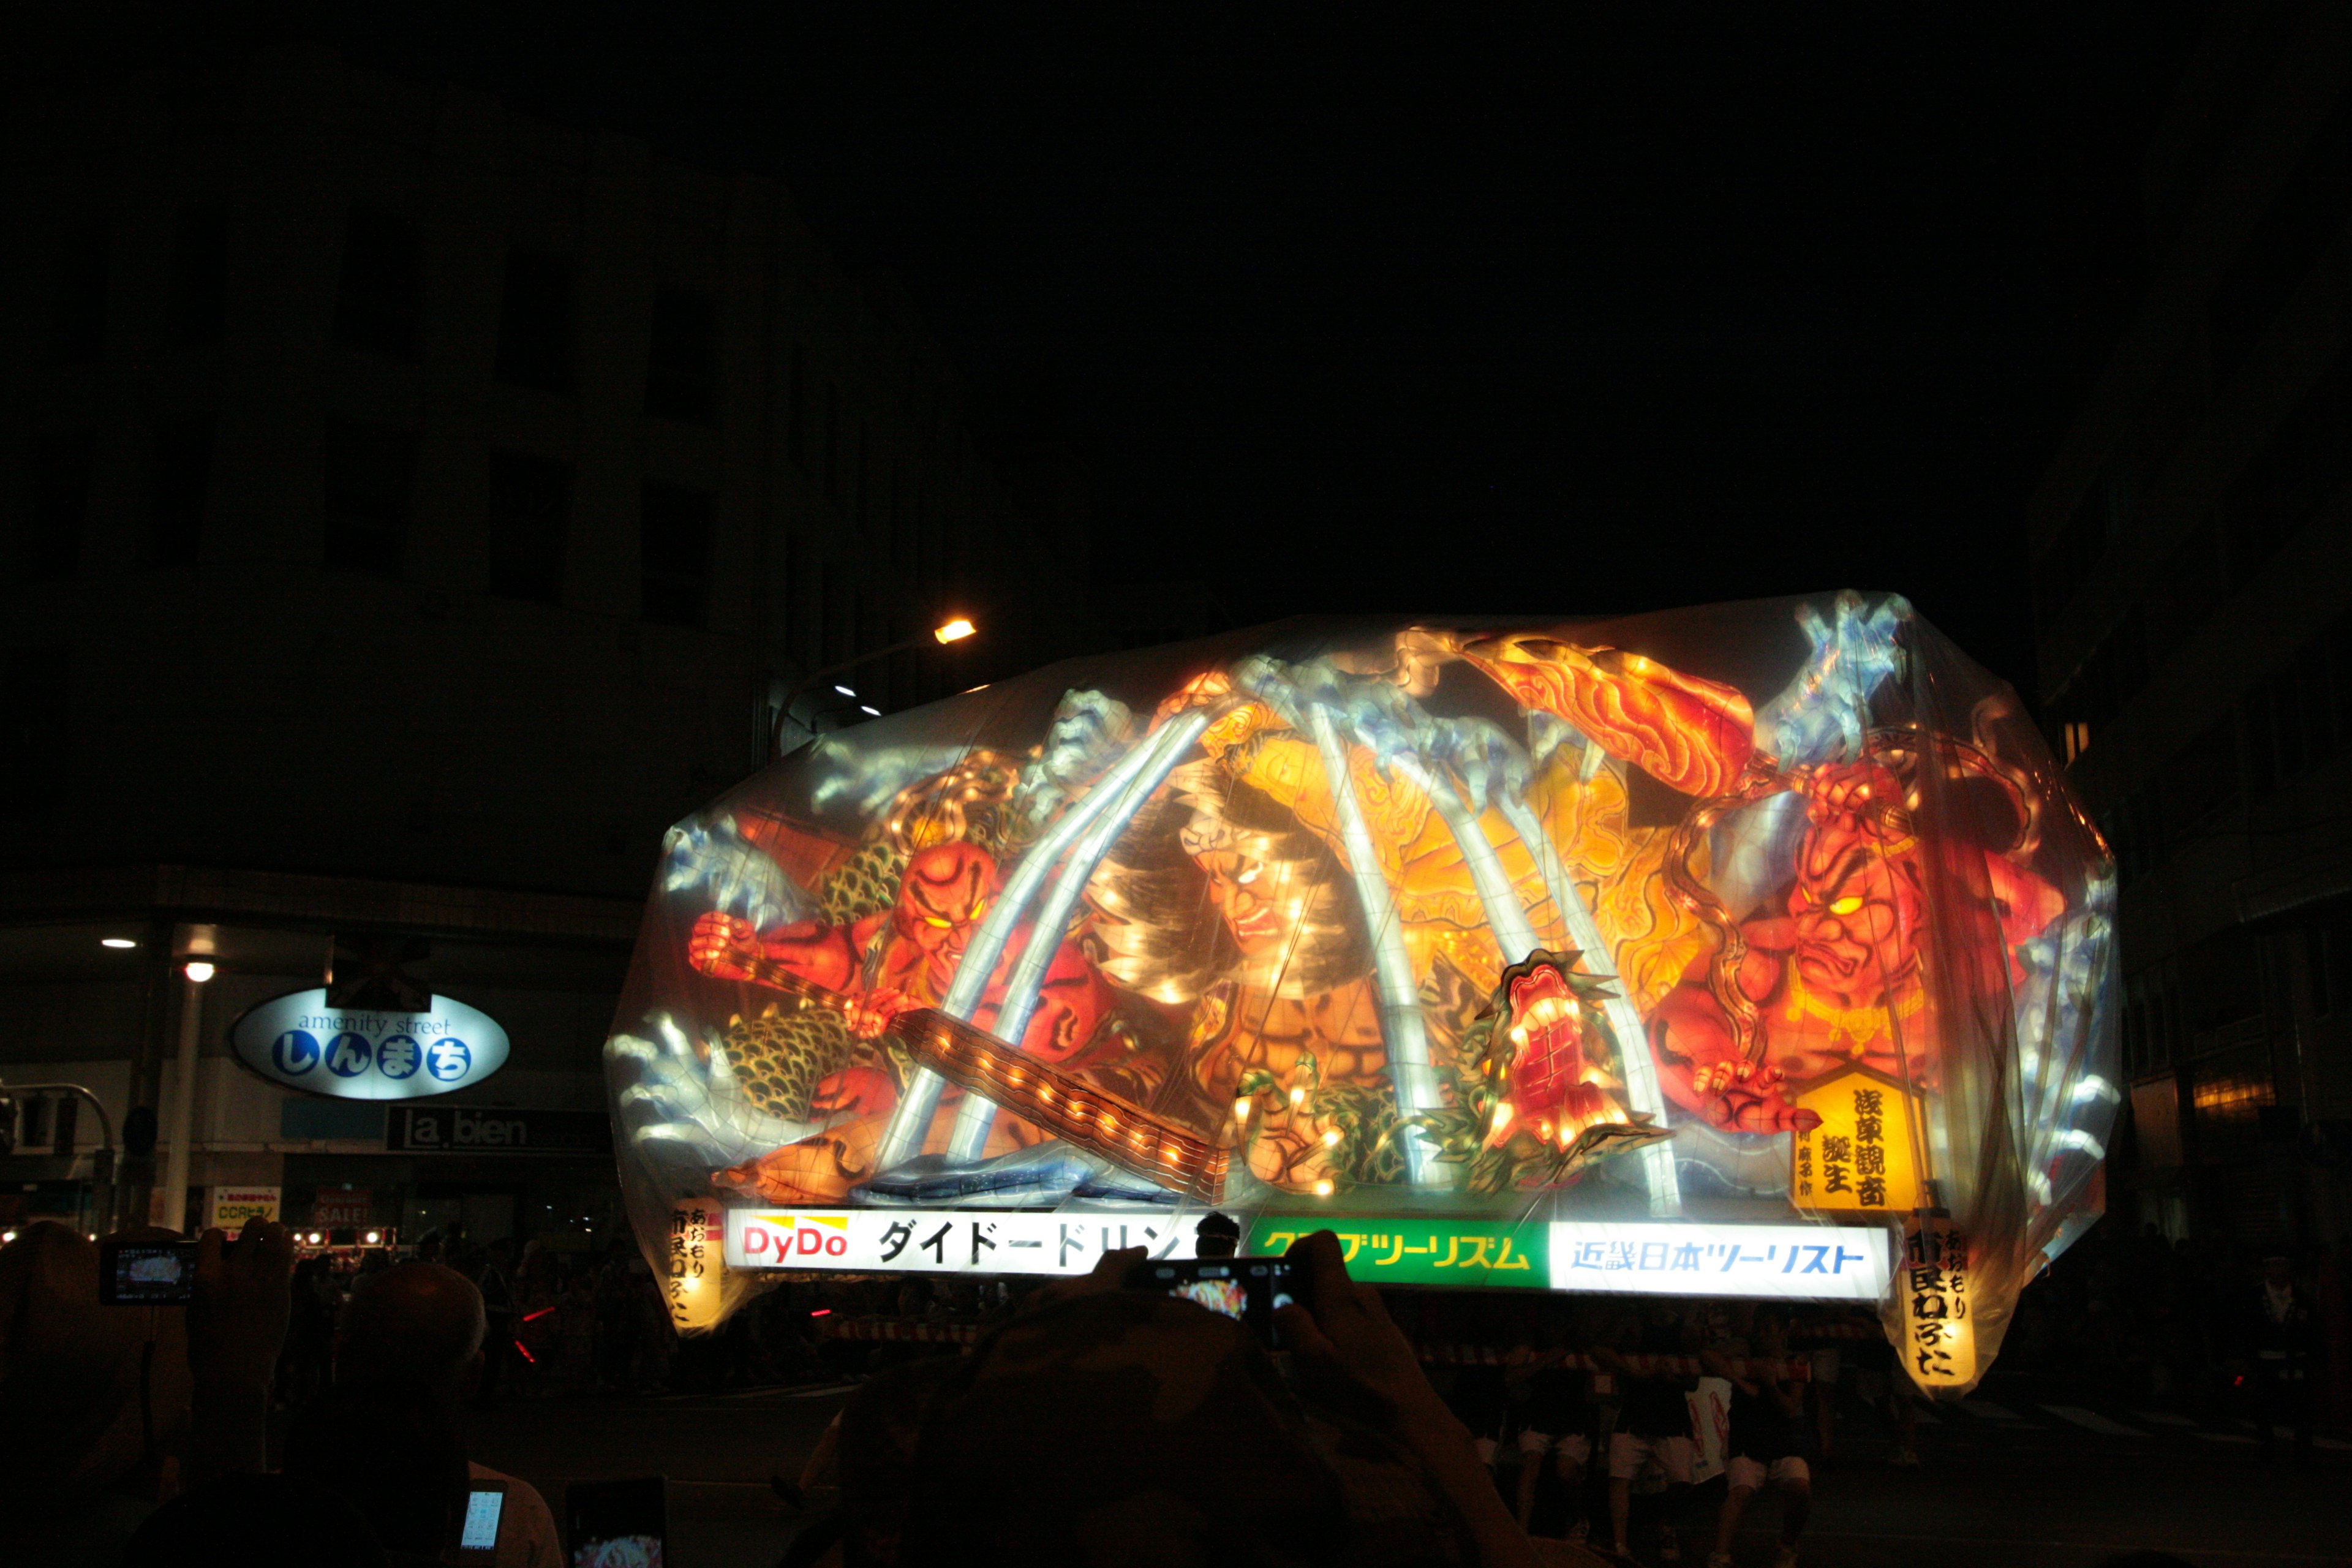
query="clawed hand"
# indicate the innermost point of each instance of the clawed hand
(724, 946)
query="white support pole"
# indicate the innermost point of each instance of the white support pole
(183, 1103)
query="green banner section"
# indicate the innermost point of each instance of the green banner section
(1421, 1251)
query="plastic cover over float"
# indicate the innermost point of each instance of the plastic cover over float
(1619, 955)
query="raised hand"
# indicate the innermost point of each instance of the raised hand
(871, 1012)
(725, 946)
(733, 872)
(690, 1098)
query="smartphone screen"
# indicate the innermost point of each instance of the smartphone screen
(617, 1524)
(146, 1273)
(478, 1538)
(1245, 1288)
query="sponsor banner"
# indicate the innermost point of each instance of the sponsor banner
(1420, 1251)
(496, 1130)
(1787, 1262)
(232, 1206)
(936, 1241)
(348, 1053)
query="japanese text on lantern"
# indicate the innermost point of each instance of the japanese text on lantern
(696, 1236)
(1938, 1327)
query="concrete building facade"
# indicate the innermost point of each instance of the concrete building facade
(2193, 579)
(410, 509)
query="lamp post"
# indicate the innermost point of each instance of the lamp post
(953, 631)
(194, 973)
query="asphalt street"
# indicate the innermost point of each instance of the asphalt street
(2006, 1478)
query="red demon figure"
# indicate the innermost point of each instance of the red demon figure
(1835, 977)
(906, 957)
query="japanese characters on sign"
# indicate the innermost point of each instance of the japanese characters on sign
(232, 1206)
(1858, 1160)
(1794, 1262)
(691, 1284)
(1420, 1252)
(1939, 1344)
(934, 1241)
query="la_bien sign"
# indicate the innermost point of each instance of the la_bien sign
(496, 1130)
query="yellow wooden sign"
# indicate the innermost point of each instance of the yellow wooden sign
(1860, 1159)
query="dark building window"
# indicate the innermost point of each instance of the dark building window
(832, 443)
(2304, 464)
(77, 333)
(33, 690)
(2299, 224)
(380, 301)
(2328, 960)
(682, 365)
(179, 481)
(535, 321)
(796, 423)
(2292, 720)
(370, 471)
(2199, 786)
(673, 539)
(48, 546)
(530, 507)
(198, 308)
(2061, 574)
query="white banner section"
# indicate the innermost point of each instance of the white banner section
(878, 1240)
(1791, 1262)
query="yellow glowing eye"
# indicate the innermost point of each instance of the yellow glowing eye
(1246, 878)
(1846, 906)
(941, 921)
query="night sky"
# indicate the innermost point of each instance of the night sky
(1653, 307)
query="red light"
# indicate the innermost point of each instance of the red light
(526, 1353)
(534, 1316)
(822, 1312)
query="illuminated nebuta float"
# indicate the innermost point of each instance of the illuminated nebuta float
(1618, 940)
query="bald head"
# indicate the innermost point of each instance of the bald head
(419, 1324)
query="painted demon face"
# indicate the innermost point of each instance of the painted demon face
(1238, 887)
(946, 889)
(1856, 905)
(1547, 1025)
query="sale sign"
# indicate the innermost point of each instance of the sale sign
(343, 1208)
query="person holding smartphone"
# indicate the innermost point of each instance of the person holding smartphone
(1108, 1423)
(417, 1329)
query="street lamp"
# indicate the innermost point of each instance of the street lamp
(959, 630)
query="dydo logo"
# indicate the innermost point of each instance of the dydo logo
(778, 1239)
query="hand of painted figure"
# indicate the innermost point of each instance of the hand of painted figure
(871, 1012)
(723, 946)
(733, 872)
(691, 1099)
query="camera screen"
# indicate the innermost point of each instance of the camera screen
(617, 1524)
(480, 1532)
(150, 1273)
(1248, 1289)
